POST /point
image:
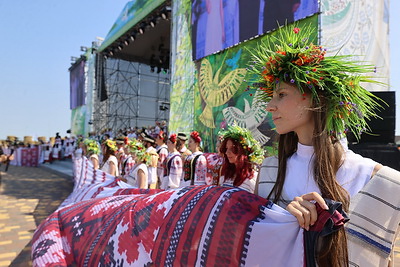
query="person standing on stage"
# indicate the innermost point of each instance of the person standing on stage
(149, 143)
(180, 145)
(91, 150)
(162, 151)
(173, 166)
(195, 165)
(128, 163)
(110, 162)
(138, 176)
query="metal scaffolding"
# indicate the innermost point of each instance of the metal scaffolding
(129, 94)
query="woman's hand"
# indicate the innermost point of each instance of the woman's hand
(303, 208)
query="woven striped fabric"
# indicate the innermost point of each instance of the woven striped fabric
(374, 220)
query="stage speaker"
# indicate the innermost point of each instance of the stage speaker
(383, 130)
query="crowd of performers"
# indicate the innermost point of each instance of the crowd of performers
(314, 101)
(61, 148)
(177, 160)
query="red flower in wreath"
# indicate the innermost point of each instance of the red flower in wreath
(196, 137)
(172, 138)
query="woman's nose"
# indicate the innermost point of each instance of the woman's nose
(271, 106)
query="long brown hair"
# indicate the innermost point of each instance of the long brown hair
(109, 152)
(330, 155)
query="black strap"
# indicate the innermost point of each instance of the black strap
(124, 165)
(169, 163)
(159, 150)
(193, 168)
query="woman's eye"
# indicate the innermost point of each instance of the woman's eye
(281, 95)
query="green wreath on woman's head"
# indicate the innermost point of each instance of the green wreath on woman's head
(251, 146)
(290, 56)
(92, 146)
(137, 148)
(111, 144)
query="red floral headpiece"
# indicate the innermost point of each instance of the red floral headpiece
(126, 140)
(172, 138)
(196, 137)
(160, 134)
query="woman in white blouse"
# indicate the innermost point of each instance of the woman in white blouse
(109, 163)
(139, 175)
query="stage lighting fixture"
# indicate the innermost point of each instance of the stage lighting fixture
(74, 58)
(141, 30)
(152, 23)
(132, 37)
(165, 11)
(120, 47)
(111, 53)
(84, 48)
(126, 42)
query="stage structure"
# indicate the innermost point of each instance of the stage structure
(131, 95)
(132, 69)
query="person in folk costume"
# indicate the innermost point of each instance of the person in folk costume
(47, 154)
(78, 151)
(149, 143)
(195, 165)
(314, 100)
(110, 162)
(73, 145)
(162, 151)
(6, 152)
(182, 138)
(138, 175)
(242, 156)
(91, 150)
(214, 163)
(67, 149)
(121, 155)
(173, 166)
(55, 152)
(129, 162)
(3, 156)
(62, 147)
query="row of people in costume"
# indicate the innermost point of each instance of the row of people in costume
(166, 167)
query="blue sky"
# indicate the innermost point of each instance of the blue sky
(38, 39)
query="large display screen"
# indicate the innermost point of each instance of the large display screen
(77, 84)
(219, 24)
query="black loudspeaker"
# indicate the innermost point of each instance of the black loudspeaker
(385, 154)
(382, 129)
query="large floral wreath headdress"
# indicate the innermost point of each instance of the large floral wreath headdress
(290, 56)
(251, 146)
(138, 149)
(92, 146)
(111, 144)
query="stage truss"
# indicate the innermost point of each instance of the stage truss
(133, 95)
